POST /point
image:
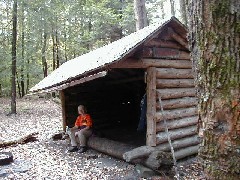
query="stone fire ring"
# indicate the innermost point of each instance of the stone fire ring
(6, 158)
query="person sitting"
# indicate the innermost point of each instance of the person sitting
(82, 130)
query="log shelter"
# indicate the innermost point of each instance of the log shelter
(111, 81)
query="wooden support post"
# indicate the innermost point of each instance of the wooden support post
(151, 106)
(62, 97)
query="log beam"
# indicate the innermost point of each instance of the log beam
(63, 105)
(151, 106)
(148, 62)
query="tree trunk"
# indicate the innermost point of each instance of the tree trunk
(140, 14)
(23, 61)
(172, 7)
(44, 61)
(54, 50)
(183, 9)
(14, 56)
(215, 44)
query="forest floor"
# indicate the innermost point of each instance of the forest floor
(48, 159)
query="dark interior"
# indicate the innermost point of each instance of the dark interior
(113, 102)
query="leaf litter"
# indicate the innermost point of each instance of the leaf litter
(48, 159)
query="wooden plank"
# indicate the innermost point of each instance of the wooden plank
(174, 83)
(177, 123)
(173, 73)
(180, 143)
(176, 113)
(172, 93)
(63, 105)
(151, 106)
(176, 134)
(178, 103)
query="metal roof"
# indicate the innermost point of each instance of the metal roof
(98, 58)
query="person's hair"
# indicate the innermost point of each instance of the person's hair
(83, 108)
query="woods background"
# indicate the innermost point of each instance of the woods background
(49, 33)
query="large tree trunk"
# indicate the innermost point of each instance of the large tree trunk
(44, 60)
(140, 14)
(172, 7)
(183, 10)
(22, 78)
(215, 45)
(14, 54)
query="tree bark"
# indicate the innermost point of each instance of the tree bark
(215, 44)
(14, 57)
(172, 7)
(140, 14)
(183, 9)
(44, 61)
(22, 83)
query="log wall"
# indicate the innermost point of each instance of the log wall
(175, 86)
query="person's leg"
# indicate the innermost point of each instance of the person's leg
(72, 136)
(83, 135)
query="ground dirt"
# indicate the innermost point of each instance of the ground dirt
(48, 159)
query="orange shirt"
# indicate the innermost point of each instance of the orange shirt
(84, 120)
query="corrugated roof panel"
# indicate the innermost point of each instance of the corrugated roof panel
(96, 58)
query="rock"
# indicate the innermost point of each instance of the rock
(145, 172)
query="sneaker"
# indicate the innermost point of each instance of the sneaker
(82, 149)
(73, 149)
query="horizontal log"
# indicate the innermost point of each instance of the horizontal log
(164, 44)
(175, 114)
(148, 62)
(172, 73)
(172, 93)
(174, 83)
(155, 160)
(177, 123)
(116, 149)
(180, 143)
(23, 140)
(178, 103)
(185, 152)
(139, 152)
(176, 134)
(178, 38)
(167, 53)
